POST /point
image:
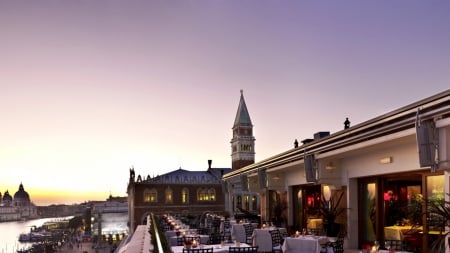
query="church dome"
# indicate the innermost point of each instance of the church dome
(7, 197)
(21, 194)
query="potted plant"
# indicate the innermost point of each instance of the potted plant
(438, 218)
(330, 211)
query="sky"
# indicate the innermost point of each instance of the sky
(89, 89)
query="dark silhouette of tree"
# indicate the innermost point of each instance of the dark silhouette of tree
(76, 222)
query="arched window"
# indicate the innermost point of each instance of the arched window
(150, 196)
(254, 203)
(212, 194)
(201, 194)
(169, 195)
(239, 201)
(247, 202)
(185, 196)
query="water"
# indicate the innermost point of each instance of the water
(9, 231)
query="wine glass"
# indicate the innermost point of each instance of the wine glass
(377, 245)
(388, 246)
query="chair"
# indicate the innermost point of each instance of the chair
(253, 249)
(397, 245)
(276, 240)
(216, 238)
(208, 250)
(180, 240)
(227, 230)
(338, 245)
(248, 233)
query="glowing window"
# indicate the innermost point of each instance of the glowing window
(247, 202)
(202, 195)
(212, 194)
(185, 196)
(169, 195)
(150, 196)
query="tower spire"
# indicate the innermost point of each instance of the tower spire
(243, 142)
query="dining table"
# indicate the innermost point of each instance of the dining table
(217, 248)
(238, 232)
(263, 239)
(204, 239)
(170, 233)
(398, 232)
(304, 244)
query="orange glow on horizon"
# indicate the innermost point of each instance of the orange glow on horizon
(45, 197)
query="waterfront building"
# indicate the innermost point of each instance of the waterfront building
(177, 192)
(18, 207)
(384, 167)
(196, 192)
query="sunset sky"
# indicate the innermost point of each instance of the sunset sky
(91, 88)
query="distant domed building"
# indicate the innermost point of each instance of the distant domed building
(18, 208)
(21, 197)
(7, 199)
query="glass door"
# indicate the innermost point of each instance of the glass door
(368, 212)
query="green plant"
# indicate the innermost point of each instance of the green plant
(331, 209)
(438, 218)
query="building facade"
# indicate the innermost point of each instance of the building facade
(385, 168)
(17, 207)
(195, 192)
(177, 192)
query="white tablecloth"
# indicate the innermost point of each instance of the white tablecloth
(204, 239)
(387, 251)
(238, 232)
(262, 239)
(304, 244)
(170, 233)
(216, 247)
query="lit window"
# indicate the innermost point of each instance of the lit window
(246, 202)
(169, 195)
(212, 194)
(201, 195)
(254, 203)
(150, 196)
(185, 196)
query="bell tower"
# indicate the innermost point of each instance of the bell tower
(243, 141)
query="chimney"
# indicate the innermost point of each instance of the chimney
(295, 143)
(209, 164)
(320, 135)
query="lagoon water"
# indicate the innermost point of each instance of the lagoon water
(10, 231)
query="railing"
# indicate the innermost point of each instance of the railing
(156, 239)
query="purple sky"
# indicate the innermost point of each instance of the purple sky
(91, 88)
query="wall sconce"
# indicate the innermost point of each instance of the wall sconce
(330, 166)
(276, 178)
(386, 160)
